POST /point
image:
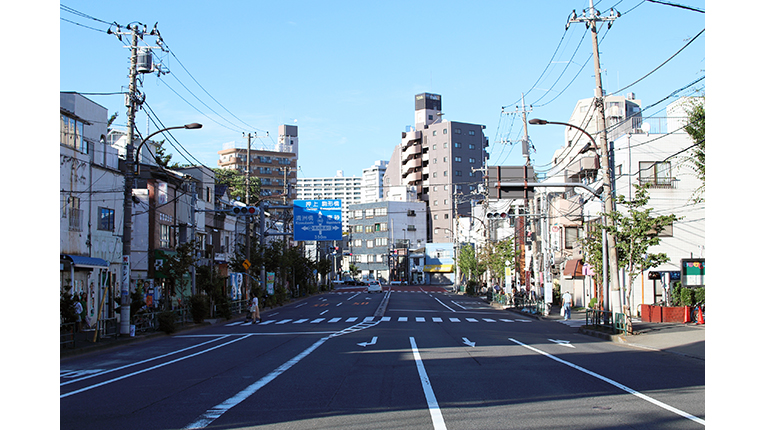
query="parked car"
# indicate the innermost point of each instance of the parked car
(398, 283)
(374, 287)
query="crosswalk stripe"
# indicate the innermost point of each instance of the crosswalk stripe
(571, 323)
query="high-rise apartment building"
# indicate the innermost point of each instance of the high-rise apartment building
(441, 161)
(347, 189)
(372, 182)
(277, 170)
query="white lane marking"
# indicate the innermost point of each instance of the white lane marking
(217, 338)
(300, 321)
(324, 312)
(266, 322)
(211, 415)
(615, 384)
(454, 319)
(463, 308)
(437, 320)
(349, 298)
(334, 320)
(385, 319)
(351, 319)
(371, 342)
(471, 320)
(284, 321)
(403, 319)
(419, 319)
(369, 319)
(447, 307)
(430, 396)
(467, 342)
(151, 368)
(488, 320)
(317, 320)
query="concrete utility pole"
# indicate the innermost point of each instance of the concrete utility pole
(591, 20)
(127, 229)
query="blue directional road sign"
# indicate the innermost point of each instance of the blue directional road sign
(318, 219)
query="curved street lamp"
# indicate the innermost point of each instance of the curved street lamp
(609, 245)
(192, 126)
(127, 219)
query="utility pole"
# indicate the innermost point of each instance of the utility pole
(529, 204)
(591, 20)
(127, 229)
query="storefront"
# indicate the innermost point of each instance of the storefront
(90, 279)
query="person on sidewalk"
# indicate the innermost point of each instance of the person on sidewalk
(566, 306)
(79, 311)
(255, 310)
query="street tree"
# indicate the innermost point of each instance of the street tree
(497, 255)
(236, 183)
(697, 158)
(636, 230)
(469, 265)
(178, 269)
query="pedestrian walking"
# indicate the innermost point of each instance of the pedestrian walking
(78, 310)
(567, 306)
(255, 310)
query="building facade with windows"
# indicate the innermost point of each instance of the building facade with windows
(276, 169)
(442, 162)
(372, 182)
(91, 204)
(381, 237)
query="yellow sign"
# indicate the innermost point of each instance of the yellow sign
(246, 264)
(441, 268)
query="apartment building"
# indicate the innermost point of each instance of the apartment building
(276, 168)
(372, 182)
(442, 162)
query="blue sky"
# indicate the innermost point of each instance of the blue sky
(346, 72)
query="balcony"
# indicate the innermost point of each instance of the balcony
(411, 152)
(410, 137)
(584, 167)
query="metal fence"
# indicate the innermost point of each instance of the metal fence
(522, 303)
(615, 321)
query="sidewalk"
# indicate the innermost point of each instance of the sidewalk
(677, 338)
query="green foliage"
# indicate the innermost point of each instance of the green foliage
(66, 306)
(200, 307)
(178, 266)
(469, 264)
(496, 255)
(166, 321)
(237, 184)
(696, 130)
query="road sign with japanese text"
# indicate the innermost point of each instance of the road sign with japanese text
(318, 219)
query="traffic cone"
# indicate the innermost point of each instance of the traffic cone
(701, 317)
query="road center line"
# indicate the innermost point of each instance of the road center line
(430, 396)
(615, 384)
(151, 368)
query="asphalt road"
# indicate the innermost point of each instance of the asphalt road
(416, 359)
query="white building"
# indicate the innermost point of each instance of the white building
(346, 189)
(651, 151)
(91, 204)
(372, 182)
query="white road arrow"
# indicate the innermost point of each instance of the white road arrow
(371, 342)
(562, 343)
(467, 342)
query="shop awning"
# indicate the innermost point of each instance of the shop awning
(439, 268)
(573, 268)
(81, 261)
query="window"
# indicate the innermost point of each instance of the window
(164, 236)
(572, 235)
(72, 132)
(446, 145)
(471, 146)
(471, 160)
(105, 219)
(369, 229)
(411, 228)
(75, 214)
(656, 174)
(457, 145)
(457, 131)
(370, 243)
(458, 159)
(434, 132)
(435, 217)
(458, 173)
(444, 131)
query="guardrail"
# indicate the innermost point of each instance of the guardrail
(521, 303)
(615, 321)
(67, 335)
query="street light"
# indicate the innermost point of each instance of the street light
(192, 126)
(607, 203)
(127, 223)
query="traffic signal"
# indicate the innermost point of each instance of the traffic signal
(243, 210)
(497, 215)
